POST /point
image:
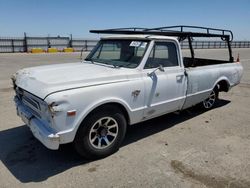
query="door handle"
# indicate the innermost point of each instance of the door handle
(179, 77)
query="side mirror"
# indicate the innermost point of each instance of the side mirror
(160, 67)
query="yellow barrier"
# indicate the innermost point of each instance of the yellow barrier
(52, 50)
(37, 50)
(68, 50)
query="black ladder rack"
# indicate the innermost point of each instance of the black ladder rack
(180, 31)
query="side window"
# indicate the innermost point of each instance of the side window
(163, 53)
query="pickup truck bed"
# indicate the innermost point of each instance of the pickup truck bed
(196, 62)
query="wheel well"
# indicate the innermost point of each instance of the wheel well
(117, 105)
(223, 85)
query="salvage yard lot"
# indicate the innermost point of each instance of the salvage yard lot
(192, 149)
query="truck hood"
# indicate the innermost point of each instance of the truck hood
(44, 80)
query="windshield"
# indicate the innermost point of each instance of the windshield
(119, 53)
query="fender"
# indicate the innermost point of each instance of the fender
(95, 105)
(222, 78)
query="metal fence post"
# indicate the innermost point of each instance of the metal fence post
(48, 42)
(86, 45)
(12, 45)
(25, 43)
(70, 41)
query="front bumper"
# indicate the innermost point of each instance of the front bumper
(40, 130)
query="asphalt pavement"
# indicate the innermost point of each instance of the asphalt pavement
(190, 149)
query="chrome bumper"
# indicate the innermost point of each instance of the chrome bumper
(41, 131)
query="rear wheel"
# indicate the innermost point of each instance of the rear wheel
(101, 134)
(211, 100)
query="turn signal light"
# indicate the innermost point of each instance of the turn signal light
(71, 113)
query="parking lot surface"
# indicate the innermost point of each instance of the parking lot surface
(190, 149)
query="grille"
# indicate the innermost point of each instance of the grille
(30, 101)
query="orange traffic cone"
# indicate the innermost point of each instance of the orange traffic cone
(238, 58)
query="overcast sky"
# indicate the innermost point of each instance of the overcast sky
(63, 17)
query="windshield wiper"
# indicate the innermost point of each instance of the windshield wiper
(109, 65)
(125, 65)
(100, 62)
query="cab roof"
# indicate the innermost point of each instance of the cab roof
(142, 37)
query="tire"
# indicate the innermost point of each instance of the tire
(210, 102)
(101, 133)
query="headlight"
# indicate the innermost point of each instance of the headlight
(56, 107)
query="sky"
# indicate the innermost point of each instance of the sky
(77, 17)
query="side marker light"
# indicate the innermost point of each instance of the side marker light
(71, 113)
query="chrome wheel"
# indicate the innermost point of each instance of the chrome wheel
(209, 102)
(103, 132)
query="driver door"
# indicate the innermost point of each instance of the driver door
(165, 89)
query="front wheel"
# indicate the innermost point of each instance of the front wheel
(101, 134)
(211, 100)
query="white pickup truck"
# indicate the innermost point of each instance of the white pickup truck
(125, 79)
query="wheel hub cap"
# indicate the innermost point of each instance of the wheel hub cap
(103, 132)
(209, 102)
